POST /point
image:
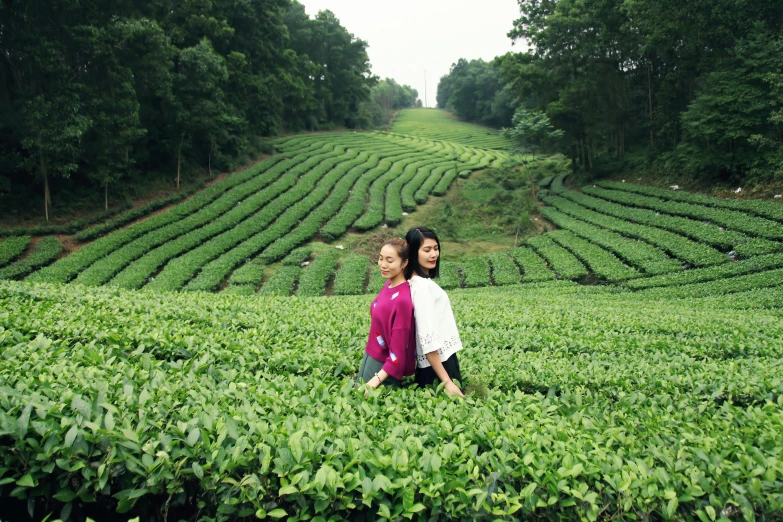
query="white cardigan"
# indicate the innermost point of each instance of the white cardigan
(435, 325)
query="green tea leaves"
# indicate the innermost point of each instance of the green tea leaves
(70, 437)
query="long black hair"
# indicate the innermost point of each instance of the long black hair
(415, 237)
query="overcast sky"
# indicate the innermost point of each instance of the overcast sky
(406, 37)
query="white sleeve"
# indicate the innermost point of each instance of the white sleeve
(426, 323)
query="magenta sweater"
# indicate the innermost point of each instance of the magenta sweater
(392, 338)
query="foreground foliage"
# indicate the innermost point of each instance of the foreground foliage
(600, 404)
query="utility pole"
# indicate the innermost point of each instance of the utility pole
(425, 88)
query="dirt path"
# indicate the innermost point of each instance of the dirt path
(69, 244)
(31, 246)
(542, 225)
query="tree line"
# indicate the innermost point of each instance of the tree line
(473, 91)
(678, 87)
(100, 94)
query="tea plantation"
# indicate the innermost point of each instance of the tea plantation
(437, 124)
(600, 404)
(189, 367)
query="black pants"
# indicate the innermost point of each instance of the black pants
(427, 376)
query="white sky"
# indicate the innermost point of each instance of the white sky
(406, 37)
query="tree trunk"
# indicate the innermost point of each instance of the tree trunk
(106, 195)
(590, 154)
(652, 114)
(209, 161)
(573, 157)
(47, 197)
(179, 156)
(622, 141)
(533, 189)
(616, 139)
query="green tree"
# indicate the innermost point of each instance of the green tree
(729, 127)
(199, 107)
(113, 108)
(533, 130)
(386, 97)
(332, 71)
(53, 139)
(473, 91)
(614, 74)
(97, 95)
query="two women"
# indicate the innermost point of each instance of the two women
(410, 313)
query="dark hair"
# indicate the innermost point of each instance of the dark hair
(401, 246)
(415, 237)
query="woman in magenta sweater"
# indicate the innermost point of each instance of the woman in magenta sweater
(390, 354)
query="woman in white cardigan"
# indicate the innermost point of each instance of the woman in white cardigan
(437, 338)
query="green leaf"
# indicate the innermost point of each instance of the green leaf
(125, 505)
(381, 483)
(528, 490)
(288, 490)
(671, 507)
(193, 436)
(65, 495)
(415, 508)
(408, 498)
(136, 493)
(198, 471)
(108, 421)
(71, 436)
(130, 435)
(65, 512)
(277, 513)
(295, 445)
(326, 477)
(233, 431)
(23, 422)
(26, 481)
(108, 407)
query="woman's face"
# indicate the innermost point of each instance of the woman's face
(428, 254)
(390, 263)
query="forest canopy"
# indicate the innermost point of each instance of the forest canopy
(96, 94)
(693, 88)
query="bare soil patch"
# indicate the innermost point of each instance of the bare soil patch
(30, 247)
(70, 244)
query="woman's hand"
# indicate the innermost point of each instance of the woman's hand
(377, 380)
(453, 389)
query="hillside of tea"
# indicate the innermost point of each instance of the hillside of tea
(197, 363)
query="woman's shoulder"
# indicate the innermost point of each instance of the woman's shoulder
(403, 289)
(423, 287)
(400, 297)
(418, 282)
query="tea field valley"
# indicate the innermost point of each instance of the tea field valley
(193, 359)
